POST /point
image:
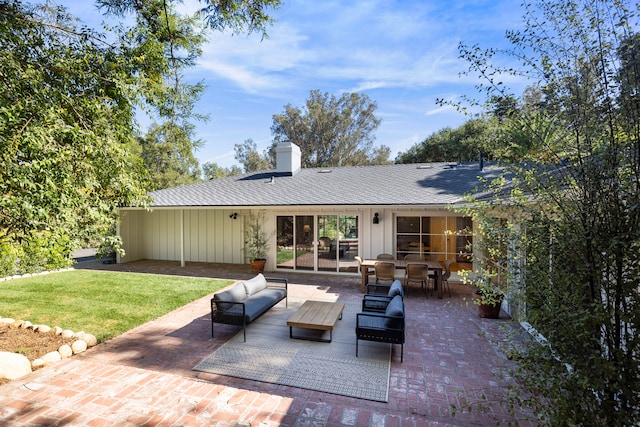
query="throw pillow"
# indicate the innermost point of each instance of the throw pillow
(236, 293)
(255, 285)
(395, 309)
(395, 289)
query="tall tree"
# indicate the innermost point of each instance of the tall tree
(578, 216)
(167, 153)
(212, 170)
(67, 116)
(173, 42)
(65, 136)
(247, 155)
(331, 131)
(462, 144)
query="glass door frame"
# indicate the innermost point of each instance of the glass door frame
(298, 235)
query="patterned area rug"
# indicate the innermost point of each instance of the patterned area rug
(269, 355)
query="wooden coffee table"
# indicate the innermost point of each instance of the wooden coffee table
(320, 315)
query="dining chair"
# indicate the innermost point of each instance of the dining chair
(416, 272)
(359, 259)
(385, 270)
(447, 274)
(414, 257)
(388, 257)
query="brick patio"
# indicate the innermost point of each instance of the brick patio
(144, 376)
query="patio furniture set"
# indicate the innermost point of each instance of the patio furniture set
(381, 319)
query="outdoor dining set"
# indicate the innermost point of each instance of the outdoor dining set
(416, 270)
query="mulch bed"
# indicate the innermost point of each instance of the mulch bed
(29, 343)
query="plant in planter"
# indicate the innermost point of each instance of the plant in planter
(256, 241)
(489, 293)
(109, 247)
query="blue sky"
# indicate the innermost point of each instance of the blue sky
(402, 54)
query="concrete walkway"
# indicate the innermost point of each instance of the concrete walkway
(144, 378)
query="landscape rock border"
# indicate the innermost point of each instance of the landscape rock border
(15, 368)
(15, 365)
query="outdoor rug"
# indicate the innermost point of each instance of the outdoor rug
(270, 356)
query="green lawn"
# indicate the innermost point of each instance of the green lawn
(102, 303)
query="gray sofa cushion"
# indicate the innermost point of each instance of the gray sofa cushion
(236, 293)
(255, 284)
(257, 304)
(395, 308)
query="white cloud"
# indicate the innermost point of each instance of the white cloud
(440, 110)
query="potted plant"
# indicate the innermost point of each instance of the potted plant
(489, 293)
(108, 248)
(256, 242)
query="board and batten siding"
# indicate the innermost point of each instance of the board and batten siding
(209, 235)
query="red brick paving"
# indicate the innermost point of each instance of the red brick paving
(144, 377)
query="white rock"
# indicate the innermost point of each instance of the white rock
(38, 363)
(43, 329)
(51, 357)
(78, 346)
(67, 333)
(13, 365)
(26, 324)
(17, 324)
(58, 330)
(90, 339)
(65, 351)
(7, 320)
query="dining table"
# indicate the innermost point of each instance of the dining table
(367, 265)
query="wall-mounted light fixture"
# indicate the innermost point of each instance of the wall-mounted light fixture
(234, 215)
(376, 218)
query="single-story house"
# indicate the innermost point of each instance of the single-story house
(316, 219)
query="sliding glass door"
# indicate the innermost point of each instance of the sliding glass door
(319, 243)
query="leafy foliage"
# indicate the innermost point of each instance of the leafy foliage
(68, 156)
(212, 170)
(256, 240)
(463, 144)
(65, 133)
(247, 155)
(332, 131)
(167, 153)
(576, 202)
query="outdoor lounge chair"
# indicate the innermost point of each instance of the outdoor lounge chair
(377, 301)
(385, 327)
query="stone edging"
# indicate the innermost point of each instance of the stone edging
(24, 366)
(84, 341)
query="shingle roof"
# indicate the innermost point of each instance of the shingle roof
(407, 184)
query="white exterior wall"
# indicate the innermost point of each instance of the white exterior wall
(210, 235)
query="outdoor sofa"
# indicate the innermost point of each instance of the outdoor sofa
(247, 300)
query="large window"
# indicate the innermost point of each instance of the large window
(436, 237)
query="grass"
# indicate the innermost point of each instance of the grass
(102, 303)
